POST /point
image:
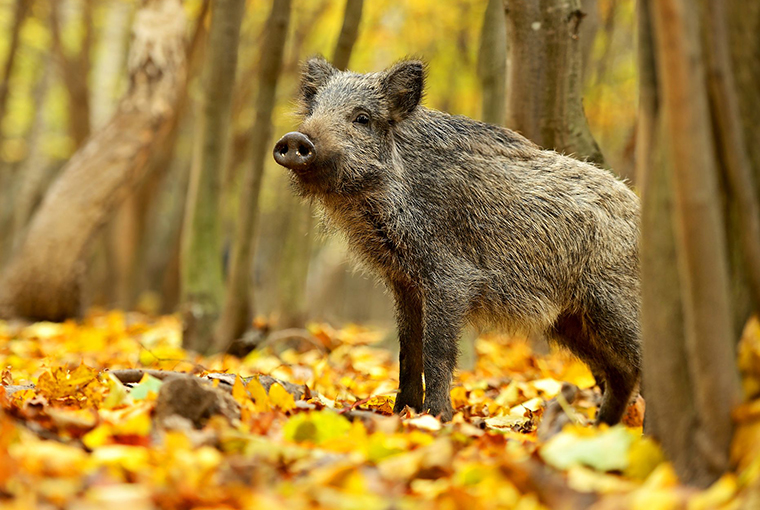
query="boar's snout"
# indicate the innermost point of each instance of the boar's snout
(294, 151)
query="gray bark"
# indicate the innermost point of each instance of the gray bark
(544, 76)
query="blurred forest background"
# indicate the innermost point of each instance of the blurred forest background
(65, 68)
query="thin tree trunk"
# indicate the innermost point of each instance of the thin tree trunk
(492, 63)
(42, 279)
(700, 245)
(588, 31)
(34, 173)
(75, 71)
(236, 315)
(544, 76)
(670, 415)
(22, 9)
(349, 32)
(732, 149)
(202, 274)
(298, 247)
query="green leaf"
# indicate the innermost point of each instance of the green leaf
(316, 427)
(604, 451)
(145, 387)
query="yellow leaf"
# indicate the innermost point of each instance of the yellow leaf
(459, 397)
(720, 493)
(117, 393)
(643, 457)
(259, 395)
(279, 397)
(127, 457)
(238, 392)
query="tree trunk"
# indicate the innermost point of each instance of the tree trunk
(492, 63)
(75, 71)
(349, 32)
(22, 9)
(670, 416)
(109, 63)
(690, 373)
(35, 174)
(544, 76)
(236, 315)
(42, 279)
(202, 273)
(732, 147)
(299, 243)
(162, 198)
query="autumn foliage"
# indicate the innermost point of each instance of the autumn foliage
(73, 435)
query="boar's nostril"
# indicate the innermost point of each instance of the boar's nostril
(294, 151)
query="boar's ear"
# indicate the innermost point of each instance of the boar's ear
(315, 72)
(403, 85)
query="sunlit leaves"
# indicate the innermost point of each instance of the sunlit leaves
(328, 440)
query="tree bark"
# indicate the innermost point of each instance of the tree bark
(202, 273)
(349, 32)
(690, 373)
(42, 279)
(732, 149)
(237, 312)
(544, 76)
(492, 63)
(670, 416)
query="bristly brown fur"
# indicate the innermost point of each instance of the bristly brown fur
(466, 221)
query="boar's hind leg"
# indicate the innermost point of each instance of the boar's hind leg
(409, 320)
(608, 344)
(442, 322)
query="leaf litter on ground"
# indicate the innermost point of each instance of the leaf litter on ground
(111, 411)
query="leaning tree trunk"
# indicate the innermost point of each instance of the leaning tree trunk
(492, 63)
(544, 76)
(690, 375)
(202, 276)
(236, 315)
(42, 279)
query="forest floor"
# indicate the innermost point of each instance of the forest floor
(73, 435)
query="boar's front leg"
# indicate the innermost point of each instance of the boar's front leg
(409, 320)
(442, 320)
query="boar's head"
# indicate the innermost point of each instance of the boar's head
(345, 143)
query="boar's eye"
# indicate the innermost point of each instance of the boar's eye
(361, 118)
